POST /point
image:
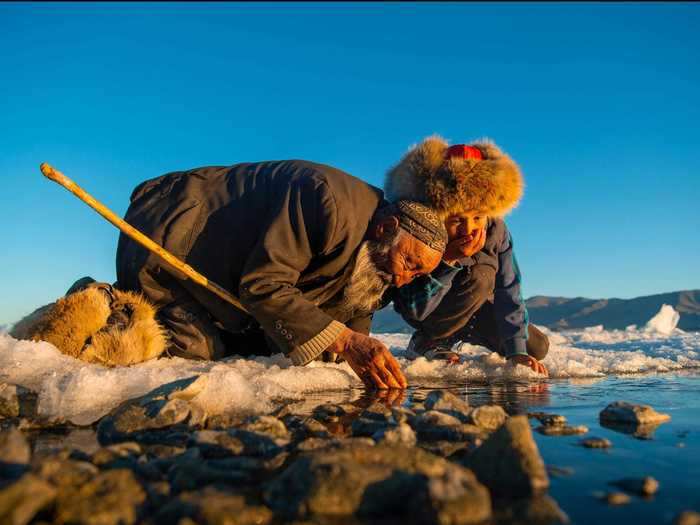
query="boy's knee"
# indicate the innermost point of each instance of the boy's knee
(537, 342)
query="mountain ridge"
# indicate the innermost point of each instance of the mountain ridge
(562, 313)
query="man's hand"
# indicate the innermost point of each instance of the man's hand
(464, 246)
(531, 362)
(370, 360)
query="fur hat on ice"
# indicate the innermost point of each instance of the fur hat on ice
(454, 179)
(98, 324)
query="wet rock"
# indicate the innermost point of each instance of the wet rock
(646, 486)
(378, 412)
(224, 421)
(448, 449)
(15, 453)
(365, 427)
(595, 442)
(112, 453)
(375, 482)
(402, 414)
(687, 517)
(616, 498)
(559, 472)
(624, 412)
(333, 412)
(305, 427)
(16, 401)
(401, 434)
(488, 417)
(165, 408)
(24, 499)
(163, 451)
(112, 497)
(644, 432)
(552, 420)
(447, 402)
(564, 430)
(313, 443)
(216, 443)
(541, 510)
(508, 462)
(268, 426)
(215, 507)
(65, 473)
(192, 475)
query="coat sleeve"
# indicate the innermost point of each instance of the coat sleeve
(417, 300)
(302, 222)
(509, 306)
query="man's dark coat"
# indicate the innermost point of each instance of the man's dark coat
(280, 235)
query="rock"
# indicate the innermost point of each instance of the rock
(24, 499)
(552, 420)
(374, 482)
(488, 417)
(646, 486)
(616, 498)
(378, 412)
(446, 402)
(434, 418)
(508, 462)
(644, 432)
(268, 426)
(448, 449)
(16, 401)
(112, 497)
(402, 414)
(192, 475)
(401, 434)
(165, 408)
(541, 510)
(214, 507)
(595, 442)
(14, 449)
(111, 453)
(365, 427)
(565, 430)
(305, 427)
(313, 443)
(66, 473)
(623, 412)
(216, 443)
(687, 517)
(559, 472)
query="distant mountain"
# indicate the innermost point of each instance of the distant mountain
(561, 313)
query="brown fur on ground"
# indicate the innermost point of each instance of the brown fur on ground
(77, 325)
(493, 185)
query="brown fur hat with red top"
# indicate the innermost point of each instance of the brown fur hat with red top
(457, 179)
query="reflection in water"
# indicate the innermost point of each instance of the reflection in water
(636, 430)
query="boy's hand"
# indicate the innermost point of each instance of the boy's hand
(531, 362)
(370, 360)
(464, 246)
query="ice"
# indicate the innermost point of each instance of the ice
(664, 322)
(82, 393)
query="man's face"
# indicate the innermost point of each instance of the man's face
(465, 225)
(408, 258)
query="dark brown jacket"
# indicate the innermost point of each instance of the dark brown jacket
(280, 235)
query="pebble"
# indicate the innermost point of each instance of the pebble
(595, 442)
(617, 498)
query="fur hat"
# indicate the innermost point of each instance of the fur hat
(113, 328)
(455, 183)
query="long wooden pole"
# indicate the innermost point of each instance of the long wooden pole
(59, 178)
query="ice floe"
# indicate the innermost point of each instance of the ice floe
(81, 393)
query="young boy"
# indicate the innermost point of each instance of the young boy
(474, 294)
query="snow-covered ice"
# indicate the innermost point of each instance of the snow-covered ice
(82, 393)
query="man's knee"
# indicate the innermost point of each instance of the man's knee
(537, 342)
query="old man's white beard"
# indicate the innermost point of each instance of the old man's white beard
(368, 283)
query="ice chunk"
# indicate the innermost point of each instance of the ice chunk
(664, 322)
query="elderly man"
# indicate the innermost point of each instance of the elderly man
(309, 249)
(475, 293)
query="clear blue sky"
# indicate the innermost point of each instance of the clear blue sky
(598, 104)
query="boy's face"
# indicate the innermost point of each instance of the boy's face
(465, 225)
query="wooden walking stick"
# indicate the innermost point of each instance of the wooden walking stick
(59, 178)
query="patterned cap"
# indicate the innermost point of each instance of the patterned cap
(421, 222)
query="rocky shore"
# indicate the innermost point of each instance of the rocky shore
(160, 459)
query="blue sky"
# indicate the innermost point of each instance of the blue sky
(598, 103)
